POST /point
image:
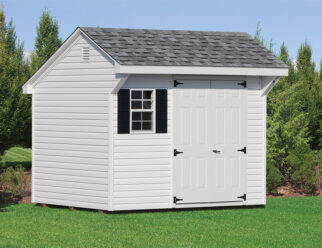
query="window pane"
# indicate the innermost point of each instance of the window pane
(147, 126)
(147, 94)
(147, 116)
(136, 116)
(147, 104)
(136, 94)
(136, 105)
(136, 125)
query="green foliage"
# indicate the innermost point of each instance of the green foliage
(14, 71)
(259, 38)
(274, 178)
(302, 162)
(12, 181)
(294, 122)
(47, 40)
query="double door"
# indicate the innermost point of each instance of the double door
(210, 140)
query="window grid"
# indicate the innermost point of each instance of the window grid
(142, 110)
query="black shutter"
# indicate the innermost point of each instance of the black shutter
(161, 109)
(123, 111)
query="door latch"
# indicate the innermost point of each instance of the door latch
(216, 151)
(176, 152)
(242, 150)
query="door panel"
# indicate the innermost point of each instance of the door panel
(229, 123)
(209, 116)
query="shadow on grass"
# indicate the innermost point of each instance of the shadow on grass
(126, 212)
(14, 164)
(187, 209)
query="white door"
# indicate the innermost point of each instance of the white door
(210, 125)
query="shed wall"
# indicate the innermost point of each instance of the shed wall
(256, 150)
(71, 132)
(142, 169)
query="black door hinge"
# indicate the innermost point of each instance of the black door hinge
(176, 83)
(176, 152)
(244, 83)
(242, 150)
(175, 199)
(242, 197)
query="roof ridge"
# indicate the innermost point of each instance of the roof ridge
(162, 30)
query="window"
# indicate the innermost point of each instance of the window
(142, 110)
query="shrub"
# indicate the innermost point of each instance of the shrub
(273, 178)
(302, 162)
(12, 182)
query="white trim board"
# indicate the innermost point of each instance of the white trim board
(199, 70)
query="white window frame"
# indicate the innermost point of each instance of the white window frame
(153, 99)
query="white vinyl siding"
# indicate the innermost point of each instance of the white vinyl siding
(142, 170)
(256, 152)
(71, 136)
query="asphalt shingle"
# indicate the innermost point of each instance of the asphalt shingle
(148, 47)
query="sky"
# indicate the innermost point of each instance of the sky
(291, 21)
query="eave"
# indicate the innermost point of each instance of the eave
(199, 70)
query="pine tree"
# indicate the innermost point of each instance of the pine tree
(13, 71)
(311, 95)
(321, 69)
(47, 40)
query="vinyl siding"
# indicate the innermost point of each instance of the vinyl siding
(142, 170)
(71, 131)
(256, 171)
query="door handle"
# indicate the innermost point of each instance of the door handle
(216, 151)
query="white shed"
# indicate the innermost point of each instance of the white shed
(127, 119)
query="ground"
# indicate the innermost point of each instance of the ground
(284, 222)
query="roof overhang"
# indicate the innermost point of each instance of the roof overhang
(199, 70)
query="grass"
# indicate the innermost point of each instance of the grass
(284, 222)
(17, 155)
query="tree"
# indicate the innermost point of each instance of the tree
(13, 73)
(311, 95)
(47, 40)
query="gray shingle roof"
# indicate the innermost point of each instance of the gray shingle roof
(182, 48)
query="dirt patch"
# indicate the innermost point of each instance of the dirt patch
(289, 191)
(24, 195)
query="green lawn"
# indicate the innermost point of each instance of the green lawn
(284, 222)
(17, 155)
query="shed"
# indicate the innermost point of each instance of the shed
(128, 119)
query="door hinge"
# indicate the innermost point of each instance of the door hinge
(244, 83)
(242, 150)
(176, 152)
(176, 83)
(175, 199)
(242, 197)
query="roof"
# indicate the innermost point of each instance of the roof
(145, 47)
